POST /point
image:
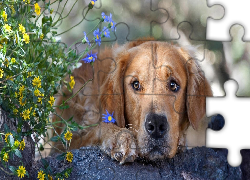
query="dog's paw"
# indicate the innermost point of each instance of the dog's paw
(122, 147)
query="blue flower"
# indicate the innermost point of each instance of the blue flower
(97, 35)
(93, 2)
(106, 32)
(108, 118)
(111, 23)
(85, 39)
(90, 57)
(105, 17)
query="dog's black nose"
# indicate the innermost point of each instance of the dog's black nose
(156, 125)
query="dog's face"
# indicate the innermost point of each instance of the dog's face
(156, 80)
(155, 93)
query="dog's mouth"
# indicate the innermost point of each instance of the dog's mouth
(156, 153)
(155, 150)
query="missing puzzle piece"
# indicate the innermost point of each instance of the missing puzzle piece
(236, 112)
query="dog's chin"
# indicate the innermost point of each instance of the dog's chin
(156, 154)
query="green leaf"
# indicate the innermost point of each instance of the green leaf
(45, 163)
(41, 148)
(64, 107)
(27, 173)
(18, 153)
(38, 126)
(11, 140)
(13, 169)
(70, 119)
(55, 138)
(61, 157)
(6, 128)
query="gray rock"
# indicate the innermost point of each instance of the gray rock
(197, 163)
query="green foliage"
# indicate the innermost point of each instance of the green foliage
(32, 67)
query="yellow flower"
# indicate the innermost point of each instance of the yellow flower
(26, 38)
(6, 136)
(4, 15)
(21, 101)
(66, 174)
(21, 171)
(34, 113)
(40, 175)
(40, 100)
(13, 60)
(72, 82)
(36, 82)
(51, 100)
(15, 111)
(16, 94)
(28, 1)
(6, 157)
(9, 78)
(6, 62)
(68, 135)
(50, 177)
(29, 74)
(26, 114)
(69, 156)
(37, 9)
(7, 28)
(21, 89)
(16, 38)
(16, 143)
(21, 28)
(22, 145)
(42, 36)
(1, 73)
(37, 92)
(13, 10)
(93, 3)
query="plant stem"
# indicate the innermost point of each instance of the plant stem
(77, 91)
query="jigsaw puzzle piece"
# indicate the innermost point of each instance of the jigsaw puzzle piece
(236, 125)
(229, 59)
(195, 48)
(237, 59)
(141, 25)
(235, 11)
(70, 15)
(185, 11)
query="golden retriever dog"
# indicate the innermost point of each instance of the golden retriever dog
(154, 91)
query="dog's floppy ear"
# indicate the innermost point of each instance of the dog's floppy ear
(197, 90)
(112, 90)
(112, 93)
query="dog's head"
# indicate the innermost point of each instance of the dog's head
(157, 91)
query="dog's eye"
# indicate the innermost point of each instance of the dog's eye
(173, 86)
(136, 85)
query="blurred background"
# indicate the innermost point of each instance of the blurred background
(182, 21)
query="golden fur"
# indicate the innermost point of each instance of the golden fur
(153, 64)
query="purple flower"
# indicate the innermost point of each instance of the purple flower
(105, 17)
(106, 32)
(90, 57)
(85, 39)
(111, 23)
(97, 35)
(108, 118)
